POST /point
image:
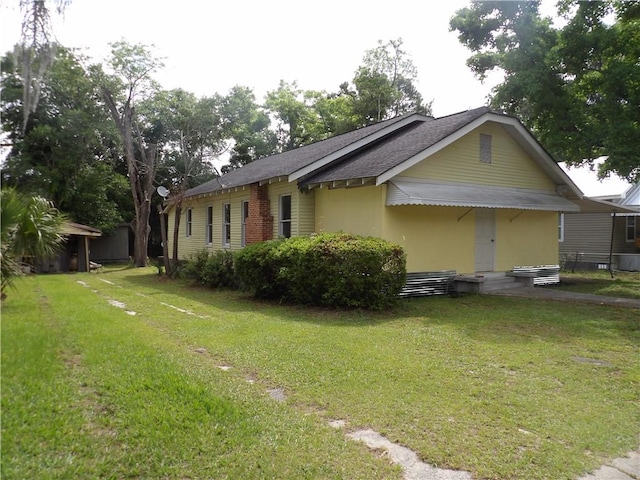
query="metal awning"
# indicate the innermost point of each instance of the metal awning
(592, 205)
(409, 192)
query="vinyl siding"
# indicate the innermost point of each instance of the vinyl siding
(302, 208)
(302, 217)
(198, 239)
(587, 233)
(460, 162)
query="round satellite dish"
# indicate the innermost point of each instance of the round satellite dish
(162, 191)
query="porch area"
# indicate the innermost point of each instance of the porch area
(448, 282)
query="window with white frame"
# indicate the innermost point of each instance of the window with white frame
(561, 227)
(245, 215)
(209, 225)
(188, 224)
(285, 216)
(631, 228)
(226, 224)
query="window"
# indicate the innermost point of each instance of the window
(188, 225)
(631, 228)
(285, 216)
(485, 148)
(226, 224)
(209, 225)
(245, 215)
(561, 227)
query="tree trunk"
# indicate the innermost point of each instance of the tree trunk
(165, 247)
(141, 232)
(176, 231)
(141, 173)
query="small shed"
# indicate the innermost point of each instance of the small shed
(75, 253)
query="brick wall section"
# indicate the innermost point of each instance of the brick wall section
(260, 221)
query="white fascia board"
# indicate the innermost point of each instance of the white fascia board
(355, 146)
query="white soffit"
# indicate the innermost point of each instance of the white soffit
(411, 192)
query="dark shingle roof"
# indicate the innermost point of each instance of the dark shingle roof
(372, 160)
(397, 148)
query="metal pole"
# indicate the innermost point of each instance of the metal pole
(165, 246)
(613, 227)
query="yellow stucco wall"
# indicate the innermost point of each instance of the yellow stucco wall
(526, 238)
(354, 210)
(460, 162)
(439, 238)
(432, 237)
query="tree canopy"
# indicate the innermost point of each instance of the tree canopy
(101, 137)
(67, 152)
(577, 87)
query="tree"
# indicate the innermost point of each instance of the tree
(190, 135)
(66, 153)
(576, 87)
(297, 123)
(246, 125)
(36, 50)
(29, 227)
(133, 66)
(385, 84)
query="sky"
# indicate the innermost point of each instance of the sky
(210, 46)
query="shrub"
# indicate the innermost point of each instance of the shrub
(339, 270)
(213, 269)
(256, 269)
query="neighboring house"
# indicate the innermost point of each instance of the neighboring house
(470, 192)
(603, 240)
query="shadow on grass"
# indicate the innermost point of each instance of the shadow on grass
(480, 317)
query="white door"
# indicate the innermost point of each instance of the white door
(485, 239)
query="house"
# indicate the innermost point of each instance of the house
(603, 240)
(470, 192)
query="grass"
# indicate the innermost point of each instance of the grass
(623, 284)
(502, 387)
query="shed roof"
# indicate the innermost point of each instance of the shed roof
(72, 228)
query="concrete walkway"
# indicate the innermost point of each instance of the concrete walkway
(550, 293)
(625, 468)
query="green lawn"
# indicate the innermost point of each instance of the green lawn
(501, 387)
(623, 284)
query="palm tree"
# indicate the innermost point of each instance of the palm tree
(30, 227)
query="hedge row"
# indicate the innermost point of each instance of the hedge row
(336, 270)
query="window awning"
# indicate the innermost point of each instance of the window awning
(408, 192)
